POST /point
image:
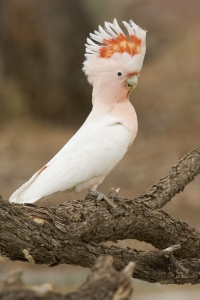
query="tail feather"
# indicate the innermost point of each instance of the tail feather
(17, 196)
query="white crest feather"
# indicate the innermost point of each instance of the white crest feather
(111, 31)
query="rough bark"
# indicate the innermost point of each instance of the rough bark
(178, 177)
(71, 232)
(103, 283)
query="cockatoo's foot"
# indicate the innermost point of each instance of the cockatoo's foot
(101, 196)
(113, 192)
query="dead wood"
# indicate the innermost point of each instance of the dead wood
(182, 173)
(72, 232)
(103, 283)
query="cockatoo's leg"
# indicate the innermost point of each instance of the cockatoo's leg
(101, 196)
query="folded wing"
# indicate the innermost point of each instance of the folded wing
(91, 154)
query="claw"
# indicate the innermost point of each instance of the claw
(113, 193)
(117, 191)
(101, 196)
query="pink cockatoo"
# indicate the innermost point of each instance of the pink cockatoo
(113, 64)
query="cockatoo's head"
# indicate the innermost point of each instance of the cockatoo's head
(114, 61)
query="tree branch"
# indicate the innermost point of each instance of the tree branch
(178, 177)
(23, 226)
(103, 283)
(69, 233)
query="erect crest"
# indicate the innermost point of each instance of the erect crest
(112, 39)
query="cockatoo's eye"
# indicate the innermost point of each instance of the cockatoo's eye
(119, 73)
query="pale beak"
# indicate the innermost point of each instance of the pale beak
(132, 82)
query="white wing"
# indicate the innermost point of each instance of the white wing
(91, 153)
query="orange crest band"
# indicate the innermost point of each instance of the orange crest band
(120, 44)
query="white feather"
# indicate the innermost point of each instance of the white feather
(116, 28)
(90, 42)
(109, 30)
(129, 28)
(89, 51)
(96, 37)
(93, 48)
(103, 32)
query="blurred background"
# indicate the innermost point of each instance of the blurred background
(45, 97)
